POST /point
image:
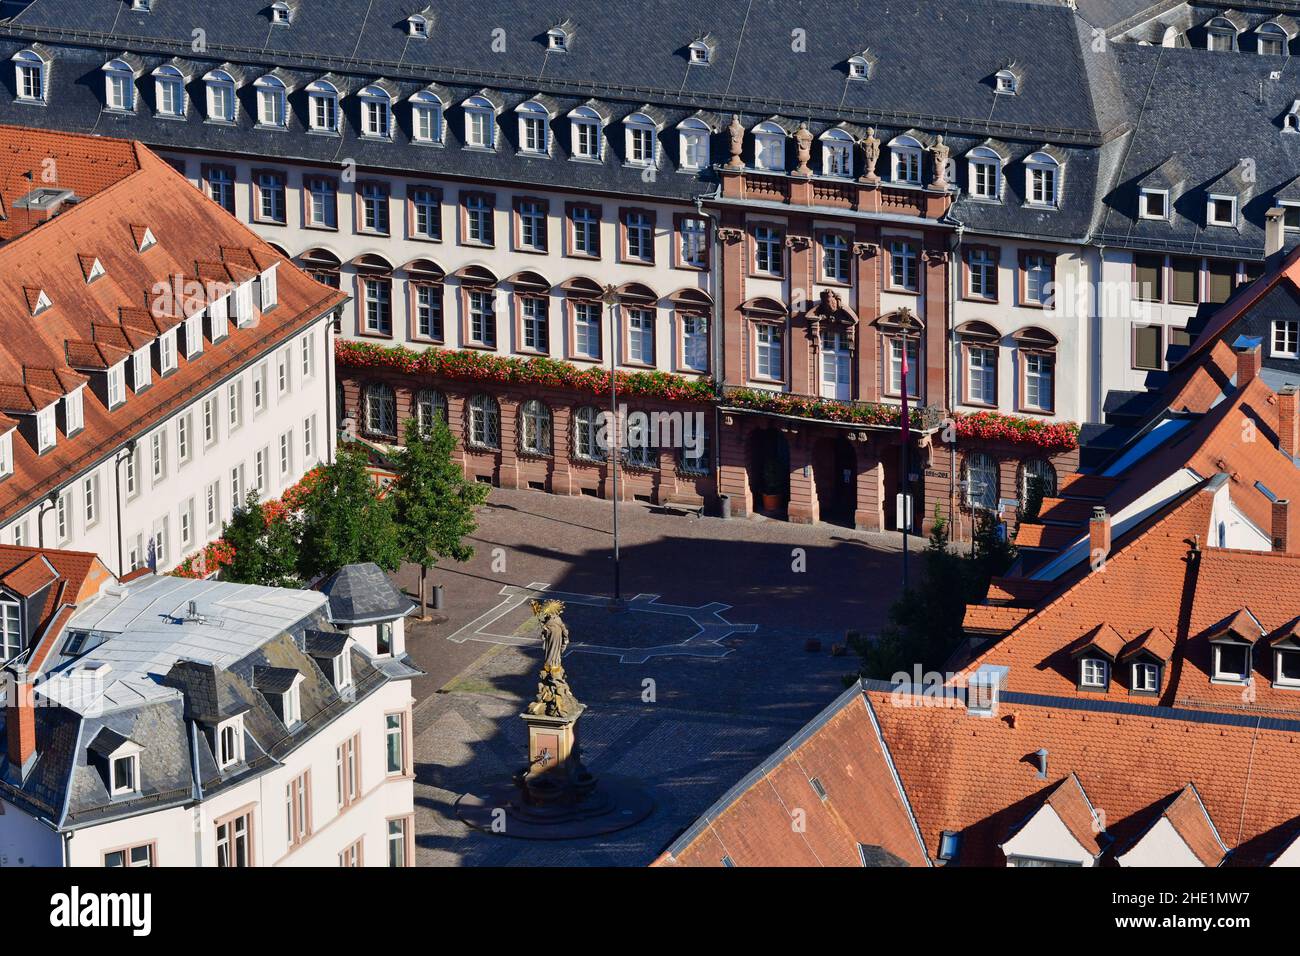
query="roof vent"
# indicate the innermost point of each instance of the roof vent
(1041, 754)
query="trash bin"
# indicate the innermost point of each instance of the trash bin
(437, 597)
(724, 501)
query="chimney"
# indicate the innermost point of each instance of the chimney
(1247, 364)
(1041, 754)
(1274, 231)
(1099, 534)
(1288, 422)
(1282, 536)
(20, 720)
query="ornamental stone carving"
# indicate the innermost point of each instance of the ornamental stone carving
(797, 243)
(803, 138)
(736, 132)
(730, 234)
(870, 146)
(865, 250)
(940, 151)
(831, 312)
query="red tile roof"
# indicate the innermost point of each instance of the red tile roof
(70, 577)
(121, 187)
(775, 817)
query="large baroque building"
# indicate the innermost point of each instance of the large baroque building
(1027, 210)
(158, 360)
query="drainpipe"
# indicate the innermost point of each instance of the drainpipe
(122, 456)
(46, 506)
(1098, 397)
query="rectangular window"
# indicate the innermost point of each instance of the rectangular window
(426, 123)
(1185, 280)
(395, 743)
(286, 454)
(428, 311)
(237, 487)
(212, 504)
(1220, 281)
(10, 633)
(426, 214)
(904, 266)
(1038, 381)
(116, 386)
(768, 362)
(209, 420)
(982, 274)
(1149, 270)
(374, 208)
(157, 456)
(63, 516)
(1148, 352)
(183, 437)
(768, 258)
(398, 836)
(351, 856)
(1286, 338)
(584, 224)
(221, 187)
(533, 309)
(482, 318)
(640, 231)
(479, 229)
(90, 499)
(896, 366)
(259, 388)
(135, 856)
(378, 294)
(586, 329)
(270, 197)
(305, 351)
(693, 242)
(234, 405)
(309, 438)
(981, 375)
(984, 180)
(322, 203)
(297, 805)
(532, 225)
(1094, 672)
(235, 841)
(186, 522)
(1038, 275)
(641, 336)
(259, 471)
(835, 258)
(695, 343)
(282, 381)
(347, 762)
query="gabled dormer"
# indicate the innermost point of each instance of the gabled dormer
(143, 238)
(37, 301)
(559, 38)
(118, 760)
(281, 686)
(332, 652)
(862, 66)
(1144, 662)
(7, 428)
(1232, 643)
(1181, 834)
(1063, 830)
(91, 268)
(1160, 188)
(1094, 655)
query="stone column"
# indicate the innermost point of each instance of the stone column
(561, 449)
(870, 487)
(733, 473)
(508, 467)
(867, 258)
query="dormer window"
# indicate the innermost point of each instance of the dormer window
(384, 638)
(230, 742)
(376, 113)
(585, 133)
(1271, 39)
(11, 635)
(906, 152)
(417, 25)
(126, 775)
(1094, 673)
(949, 845)
(861, 65)
(1221, 35)
(640, 132)
(1286, 662)
(837, 153)
(169, 91)
(147, 240)
(142, 6)
(167, 352)
(95, 271)
(1221, 211)
(1153, 204)
(343, 670)
(985, 174)
(116, 385)
(271, 102)
(42, 303)
(1042, 180)
(281, 13)
(119, 760)
(1144, 677)
(323, 107)
(74, 418)
(45, 428)
(1006, 82)
(142, 371)
(292, 713)
(693, 144)
(769, 147)
(279, 685)
(29, 74)
(119, 86)
(534, 132)
(426, 117)
(6, 469)
(702, 50)
(1231, 661)
(221, 96)
(480, 123)
(194, 334)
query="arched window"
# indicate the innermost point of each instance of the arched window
(119, 86)
(769, 147)
(587, 440)
(29, 67)
(376, 112)
(381, 411)
(323, 106)
(426, 117)
(1042, 179)
(1271, 39)
(1037, 480)
(639, 451)
(905, 152)
(640, 131)
(271, 102)
(693, 143)
(534, 128)
(221, 96)
(484, 422)
(429, 403)
(837, 153)
(985, 173)
(980, 482)
(169, 91)
(535, 428)
(480, 123)
(586, 123)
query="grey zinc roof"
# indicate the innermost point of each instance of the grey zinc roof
(363, 594)
(149, 630)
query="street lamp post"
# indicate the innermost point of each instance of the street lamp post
(610, 299)
(905, 421)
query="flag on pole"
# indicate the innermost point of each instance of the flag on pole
(906, 419)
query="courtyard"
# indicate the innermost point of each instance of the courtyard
(721, 650)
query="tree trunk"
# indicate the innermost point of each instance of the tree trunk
(424, 592)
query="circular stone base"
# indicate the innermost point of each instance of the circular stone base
(615, 804)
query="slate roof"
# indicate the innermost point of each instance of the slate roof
(363, 594)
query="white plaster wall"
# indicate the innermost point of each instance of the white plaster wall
(1046, 837)
(367, 635)
(306, 397)
(1161, 846)
(25, 841)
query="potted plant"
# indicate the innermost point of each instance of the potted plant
(773, 485)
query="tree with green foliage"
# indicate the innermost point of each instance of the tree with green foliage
(925, 623)
(345, 521)
(265, 550)
(433, 505)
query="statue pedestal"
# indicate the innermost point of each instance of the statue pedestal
(554, 773)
